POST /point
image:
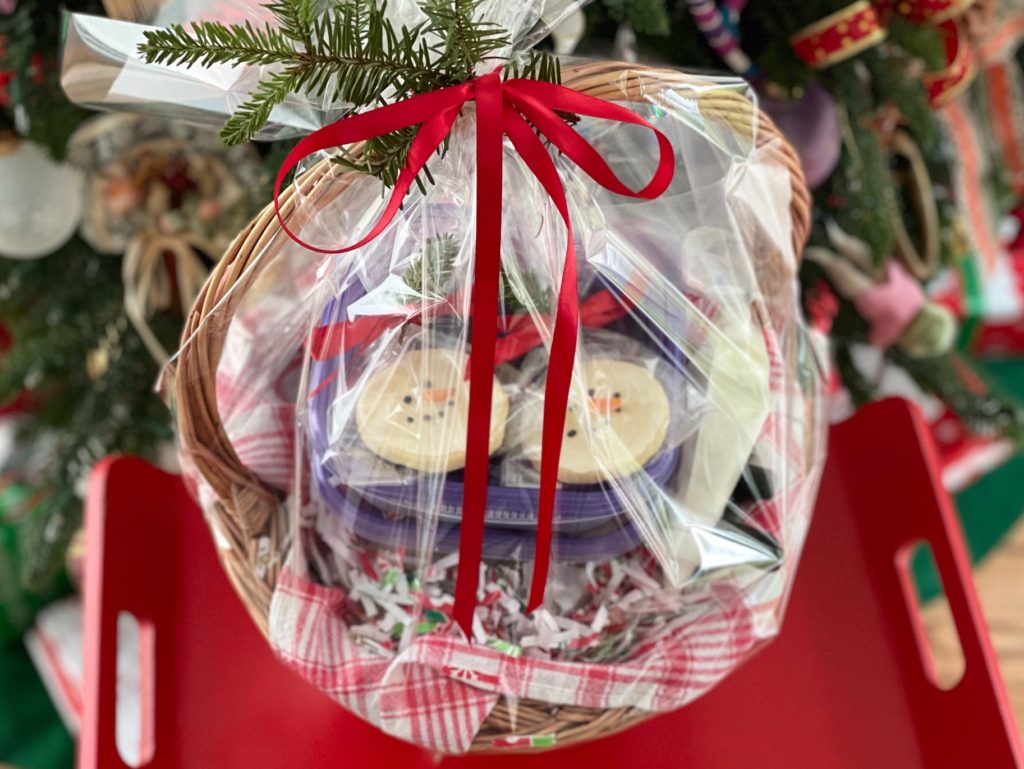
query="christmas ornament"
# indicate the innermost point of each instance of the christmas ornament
(925, 11)
(167, 196)
(40, 201)
(720, 32)
(918, 246)
(839, 36)
(946, 84)
(810, 122)
(894, 305)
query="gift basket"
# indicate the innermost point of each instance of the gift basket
(545, 439)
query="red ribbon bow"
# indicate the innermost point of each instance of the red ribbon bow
(520, 109)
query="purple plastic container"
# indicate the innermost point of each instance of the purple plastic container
(615, 537)
(590, 521)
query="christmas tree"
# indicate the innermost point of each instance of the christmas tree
(888, 201)
(79, 358)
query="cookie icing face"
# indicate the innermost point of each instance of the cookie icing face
(414, 412)
(612, 430)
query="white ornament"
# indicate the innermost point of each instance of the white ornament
(40, 201)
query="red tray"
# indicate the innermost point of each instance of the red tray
(844, 687)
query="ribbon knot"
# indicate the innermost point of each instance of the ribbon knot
(523, 110)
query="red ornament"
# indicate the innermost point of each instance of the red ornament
(947, 83)
(839, 36)
(822, 306)
(925, 11)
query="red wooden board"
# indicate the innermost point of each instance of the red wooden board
(844, 687)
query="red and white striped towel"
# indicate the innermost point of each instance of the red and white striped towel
(439, 690)
(257, 385)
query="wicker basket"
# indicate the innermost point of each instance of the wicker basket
(252, 516)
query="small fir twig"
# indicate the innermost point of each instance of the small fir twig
(353, 54)
(432, 274)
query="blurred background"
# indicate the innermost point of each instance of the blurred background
(911, 134)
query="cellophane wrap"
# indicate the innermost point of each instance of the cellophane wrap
(690, 458)
(691, 449)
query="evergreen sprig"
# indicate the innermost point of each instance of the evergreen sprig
(432, 273)
(464, 41)
(351, 53)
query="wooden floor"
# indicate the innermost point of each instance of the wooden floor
(1000, 582)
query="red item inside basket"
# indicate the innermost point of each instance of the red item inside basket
(845, 686)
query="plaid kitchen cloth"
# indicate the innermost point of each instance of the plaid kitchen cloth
(439, 690)
(257, 383)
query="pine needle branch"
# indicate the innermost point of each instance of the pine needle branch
(207, 43)
(246, 122)
(352, 54)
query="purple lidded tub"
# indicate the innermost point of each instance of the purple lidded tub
(591, 522)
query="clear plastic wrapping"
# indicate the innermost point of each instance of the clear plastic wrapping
(691, 454)
(691, 451)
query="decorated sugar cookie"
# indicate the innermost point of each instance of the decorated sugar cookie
(612, 429)
(414, 411)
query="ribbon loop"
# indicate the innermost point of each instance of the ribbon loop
(520, 109)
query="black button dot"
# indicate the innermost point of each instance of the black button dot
(451, 403)
(409, 419)
(591, 392)
(407, 399)
(616, 395)
(426, 417)
(571, 433)
(440, 414)
(429, 383)
(618, 410)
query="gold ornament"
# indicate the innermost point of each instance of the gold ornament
(170, 198)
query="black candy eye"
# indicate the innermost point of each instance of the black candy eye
(409, 419)
(407, 399)
(616, 395)
(591, 392)
(440, 414)
(571, 433)
(451, 403)
(429, 383)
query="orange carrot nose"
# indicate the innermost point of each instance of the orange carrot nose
(604, 405)
(435, 394)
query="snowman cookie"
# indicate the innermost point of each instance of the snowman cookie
(617, 420)
(414, 412)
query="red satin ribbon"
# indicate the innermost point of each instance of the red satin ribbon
(520, 109)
